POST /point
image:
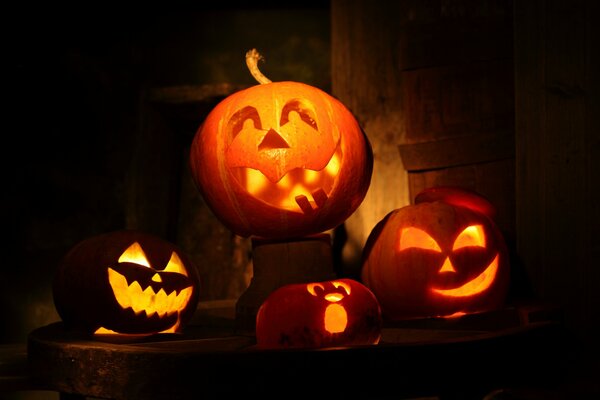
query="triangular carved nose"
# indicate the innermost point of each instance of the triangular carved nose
(447, 267)
(272, 140)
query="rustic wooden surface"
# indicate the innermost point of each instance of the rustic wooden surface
(416, 358)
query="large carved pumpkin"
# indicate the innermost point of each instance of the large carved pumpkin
(281, 160)
(126, 282)
(441, 256)
(340, 312)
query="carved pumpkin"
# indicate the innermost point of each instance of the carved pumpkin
(333, 313)
(126, 282)
(281, 160)
(441, 256)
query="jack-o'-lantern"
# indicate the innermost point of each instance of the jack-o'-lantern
(442, 256)
(281, 159)
(340, 312)
(126, 282)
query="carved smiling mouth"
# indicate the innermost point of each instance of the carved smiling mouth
(476, 285)
(147, 300)
(300, 190)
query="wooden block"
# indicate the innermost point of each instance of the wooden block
(278, 263)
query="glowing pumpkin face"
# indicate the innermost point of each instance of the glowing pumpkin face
(281, 160)
(442, 256)
(333, 313)
(126, 282)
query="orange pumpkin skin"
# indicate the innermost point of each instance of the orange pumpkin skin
(86, 300)
(303, 141)
(450, 271)
(340, 312)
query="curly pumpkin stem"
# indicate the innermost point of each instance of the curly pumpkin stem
(252, 58)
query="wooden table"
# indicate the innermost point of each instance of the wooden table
(464, 357)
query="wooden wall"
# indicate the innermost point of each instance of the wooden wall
(432, 84)
(558, 153)
(542, 58)
(366, 79)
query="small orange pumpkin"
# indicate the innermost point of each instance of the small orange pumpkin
(281, 160)
(126, 282)
(340, 312)
(441, 256)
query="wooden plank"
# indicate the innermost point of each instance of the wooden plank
(456, 151)
(366, 78)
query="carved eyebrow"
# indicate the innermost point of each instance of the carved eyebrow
(312, 286)
(238, 120)
(303, 110)
(412, 237)
(345, 286)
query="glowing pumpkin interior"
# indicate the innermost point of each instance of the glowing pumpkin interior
(471, 236)
(282, 158)
(335, 318)
(152, 297)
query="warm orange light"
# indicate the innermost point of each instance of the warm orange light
(336, 318)
(412, 237)
(333, 167)
(135, 254)
(475, 285)
(311, 288)
(301, 190)
(345, 286)
(175, 265)
(334, 297)
(104, 331)
(455, 315)
(255, 181)
(146, 300)
(447, 266)
(471, 236)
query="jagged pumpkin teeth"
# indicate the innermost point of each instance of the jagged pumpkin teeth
(125, 298)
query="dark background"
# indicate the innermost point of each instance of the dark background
(78, 84)
(75, 82)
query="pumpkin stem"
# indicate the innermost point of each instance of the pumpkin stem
(252, 58)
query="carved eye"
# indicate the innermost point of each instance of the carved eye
(471, 236)
(175, 265)
(134, 254)
(246, 118)
(297, 110)
(417, 238)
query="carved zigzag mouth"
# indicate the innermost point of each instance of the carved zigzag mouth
(147, 300)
